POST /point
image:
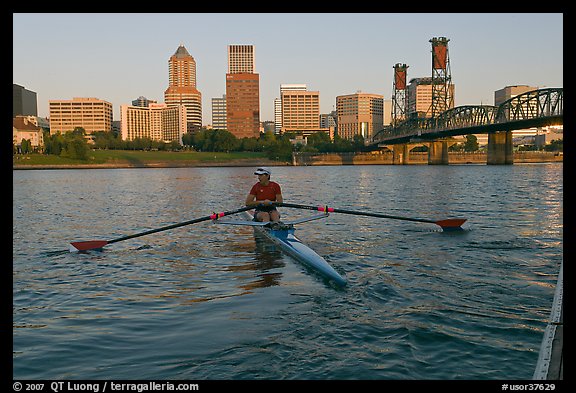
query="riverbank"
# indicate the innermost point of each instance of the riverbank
(106, 159)
(136, 159)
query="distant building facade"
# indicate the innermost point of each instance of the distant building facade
(360, 114)
(24, 102)
(219, 113)
(143, 101)
(27, 128)
(92, 114)
(300, 110)
(509, 92)
(278, 103)
(159, 122)
(419, 97)
(519, 137)
(242, 92)
(182, 87)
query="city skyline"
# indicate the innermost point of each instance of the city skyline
(335, 54)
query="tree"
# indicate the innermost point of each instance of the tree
(26, 146)
(75, 147)
(471, 143)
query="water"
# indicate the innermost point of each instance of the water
(210, 301)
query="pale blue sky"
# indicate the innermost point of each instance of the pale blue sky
(119, 57)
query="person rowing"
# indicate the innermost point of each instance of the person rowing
(263, 195)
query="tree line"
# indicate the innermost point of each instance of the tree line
(276, 147)
(279, 147)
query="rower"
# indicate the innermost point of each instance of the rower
(263, 195)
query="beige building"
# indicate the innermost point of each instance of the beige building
(419, 97)
(509, 92)
(92, 114)
(26, 127)
(360, 114)
(158, 122)
(300, 110)
(182, 87)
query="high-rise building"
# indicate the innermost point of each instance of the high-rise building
(241, 59)
(92, 114)
(219, 112)
(277, 115)
(23, 101)
(182, 87)
(242, 93)
(360, 114)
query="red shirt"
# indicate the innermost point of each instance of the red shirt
(266, 192)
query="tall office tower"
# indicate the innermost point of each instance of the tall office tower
(241, 59)
(277, 115)
(242, 93)
(91, 114)
(360, 114)
(219, 112)
(23, 101)
(182, 87)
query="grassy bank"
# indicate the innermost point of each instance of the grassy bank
(127, 158)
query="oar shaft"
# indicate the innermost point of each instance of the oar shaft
(97, 244)
(213, 216)
(357, 213)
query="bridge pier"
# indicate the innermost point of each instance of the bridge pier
(400, 154)
(500, 148)
(438, 153)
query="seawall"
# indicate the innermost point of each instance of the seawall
(415, 158)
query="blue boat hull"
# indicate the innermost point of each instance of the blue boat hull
(292, 246)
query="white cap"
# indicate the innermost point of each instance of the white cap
(262, 170)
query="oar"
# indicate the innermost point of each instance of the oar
(96, 244)
(447, 225)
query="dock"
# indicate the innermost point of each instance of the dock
(550, 365)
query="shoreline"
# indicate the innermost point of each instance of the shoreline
(300, 159)
(156, 164)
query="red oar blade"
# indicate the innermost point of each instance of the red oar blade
(451, 224)
(89, 245)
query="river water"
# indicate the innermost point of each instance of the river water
(209, 301)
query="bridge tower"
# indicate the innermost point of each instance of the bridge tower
(399, 97)
(442, 89)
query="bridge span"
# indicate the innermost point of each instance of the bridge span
(536, 108)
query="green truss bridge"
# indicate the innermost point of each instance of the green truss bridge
(536, 108)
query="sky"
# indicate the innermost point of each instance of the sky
(118, 57)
